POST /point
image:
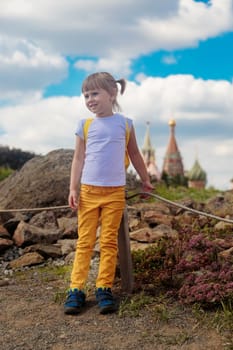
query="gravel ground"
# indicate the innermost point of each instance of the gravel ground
(31, 304)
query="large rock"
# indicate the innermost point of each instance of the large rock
(43, 181)
(221, 205)
(28, 259)
(27, 234)
(148, 235)
(5, 244)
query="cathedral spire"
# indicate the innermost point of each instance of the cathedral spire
(147, 147)
(148, 154)
(173, 164)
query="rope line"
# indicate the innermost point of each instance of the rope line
(33, 209)
(134, 195)
(182, 206)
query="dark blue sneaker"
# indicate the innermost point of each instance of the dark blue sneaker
(74, 302)
(105, 300)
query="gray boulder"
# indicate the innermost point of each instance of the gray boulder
(42, 181)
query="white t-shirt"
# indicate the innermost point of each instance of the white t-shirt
(104, 163)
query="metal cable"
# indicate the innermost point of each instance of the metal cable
(33, 209)
(181, 206)
(130, 197)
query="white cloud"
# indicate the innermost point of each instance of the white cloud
(26, 69)
(121, 66)
(47, 124)
(179, 96)
(225, 149)
(115, 31)
(140, 77)
(219, 167)
(193, 22)
(43, 125)
(77, 27)
(169, 59)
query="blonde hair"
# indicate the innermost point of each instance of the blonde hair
(104, 80)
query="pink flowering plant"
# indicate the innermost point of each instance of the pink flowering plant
(188, 268)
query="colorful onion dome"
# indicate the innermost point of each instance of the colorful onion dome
(197, 173)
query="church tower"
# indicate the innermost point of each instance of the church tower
(148, 154)
(197, 176)
(173, 164)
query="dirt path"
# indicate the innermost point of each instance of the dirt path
(32, 318)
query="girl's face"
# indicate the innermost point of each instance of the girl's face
(99, 102)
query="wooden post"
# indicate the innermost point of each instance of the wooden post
(125, 259)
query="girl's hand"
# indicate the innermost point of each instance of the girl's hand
(146, 187)
(73, 200)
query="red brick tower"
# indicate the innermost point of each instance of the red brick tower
(173, 164)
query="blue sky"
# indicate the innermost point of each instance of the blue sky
(175, 54)
(211, 59)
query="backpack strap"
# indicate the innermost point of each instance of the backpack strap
(127, 135)
(127, 132)
(86, 125)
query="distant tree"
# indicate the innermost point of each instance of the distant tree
(14, 158)
(174, 181)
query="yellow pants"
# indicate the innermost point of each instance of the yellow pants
(104, 205)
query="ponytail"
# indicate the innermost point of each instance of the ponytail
(122, 83)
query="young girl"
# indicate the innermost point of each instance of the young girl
(99, 166)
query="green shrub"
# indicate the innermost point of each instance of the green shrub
(181, 192)
(5, 172)
(174, 193)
